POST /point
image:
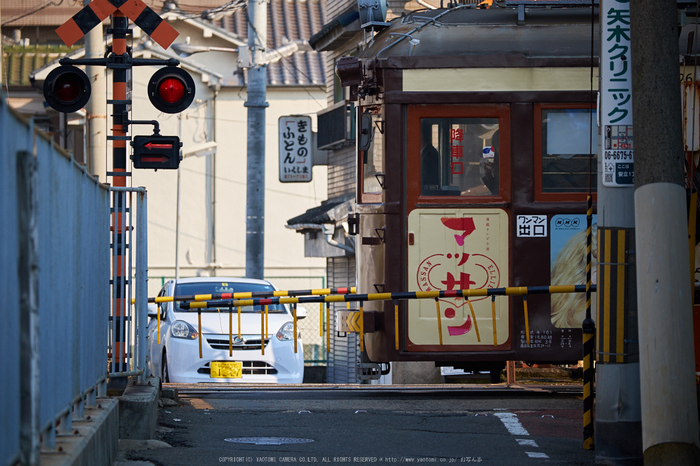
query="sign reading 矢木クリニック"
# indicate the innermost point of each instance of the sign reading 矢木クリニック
(616, 95)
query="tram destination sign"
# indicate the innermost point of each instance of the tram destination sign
(616, 95)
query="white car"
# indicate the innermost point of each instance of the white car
(176, 358)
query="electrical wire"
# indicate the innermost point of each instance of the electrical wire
(222, 10)
(30, 12)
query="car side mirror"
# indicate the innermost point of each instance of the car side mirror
(152, 310)
(301, 313)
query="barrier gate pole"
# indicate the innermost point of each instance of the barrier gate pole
(588, 340)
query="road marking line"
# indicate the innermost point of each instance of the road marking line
(512, 423)
(514, 426)
(526, 443)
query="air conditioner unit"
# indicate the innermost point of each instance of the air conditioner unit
(336, 126)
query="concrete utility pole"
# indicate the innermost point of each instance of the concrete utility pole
(618, 418)
(668, 395)
(97, 105)
(256, 104)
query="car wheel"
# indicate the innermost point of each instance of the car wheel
(164, 376)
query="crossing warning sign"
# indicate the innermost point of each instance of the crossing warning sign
(136, 10)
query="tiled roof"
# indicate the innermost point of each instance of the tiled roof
(287, 20)
(19, 61)
(320, 214)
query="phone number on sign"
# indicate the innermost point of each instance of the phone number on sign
(618, 155)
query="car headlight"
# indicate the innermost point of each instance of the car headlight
(286, 332)
(181, 329)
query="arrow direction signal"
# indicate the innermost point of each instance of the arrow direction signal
(158, 159)
(151, 146)
(156, 152)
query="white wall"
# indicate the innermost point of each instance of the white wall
(284, 248)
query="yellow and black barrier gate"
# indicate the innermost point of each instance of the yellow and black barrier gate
(355, 321)
(247, 295)
(252, 295)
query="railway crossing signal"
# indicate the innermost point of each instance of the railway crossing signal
(67, 89)
(171, 89)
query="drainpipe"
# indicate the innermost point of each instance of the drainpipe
(329, 239)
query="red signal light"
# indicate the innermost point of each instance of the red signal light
(67, 89)
(171, 89)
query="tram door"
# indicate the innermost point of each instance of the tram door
(458, 225)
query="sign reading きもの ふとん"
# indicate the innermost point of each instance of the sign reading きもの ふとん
(295, 149)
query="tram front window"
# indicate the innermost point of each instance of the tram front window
(459, 156)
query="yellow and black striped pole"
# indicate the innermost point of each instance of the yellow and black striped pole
(476, 324)
(401, 295)
(320, 319)
(588, 340)
(262, 331)
(588, 376)
(294, 319)
(362, 327)
(253, 294)
(396, 325)
(527, 321)
(230, 331)
(439, 321)
(199, 332)
(493, 320)
(328, 328)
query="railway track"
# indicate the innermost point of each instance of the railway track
(516, 390)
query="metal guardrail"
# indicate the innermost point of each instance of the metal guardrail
(55, 267)
(128, 325)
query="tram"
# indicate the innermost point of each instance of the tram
(477, 143)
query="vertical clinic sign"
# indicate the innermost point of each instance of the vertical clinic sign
(616, 94)
(295, 149)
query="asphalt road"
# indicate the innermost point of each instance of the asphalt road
(340, 426)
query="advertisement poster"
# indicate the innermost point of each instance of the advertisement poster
(568, 267)
(458, 249)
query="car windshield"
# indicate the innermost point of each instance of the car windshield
(218, 287)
